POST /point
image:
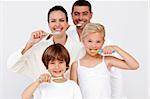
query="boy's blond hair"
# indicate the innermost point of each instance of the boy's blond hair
(93, 28)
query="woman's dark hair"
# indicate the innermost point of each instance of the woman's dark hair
(56, 52)
(57, 8)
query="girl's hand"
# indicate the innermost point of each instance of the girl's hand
(109, 49)
(44, 78)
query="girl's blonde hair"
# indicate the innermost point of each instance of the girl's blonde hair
(93, 28)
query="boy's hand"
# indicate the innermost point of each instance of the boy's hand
(44, 78)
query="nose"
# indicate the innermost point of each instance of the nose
(56, 65)
(81, 17)
(57, 24)
(93, 45)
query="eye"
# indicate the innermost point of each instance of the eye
(89, 40)
(98, 41)
(85, 13)
(52, 20)
(52, 63)
(61, 20)
(76, 13)
(61, 62)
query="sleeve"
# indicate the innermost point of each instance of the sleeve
(77, 92)
(23, 64)
(13, 58)
(37, 94)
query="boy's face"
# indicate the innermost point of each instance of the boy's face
(93, 41)
(58, 22)
(57, 68)
(81, 15)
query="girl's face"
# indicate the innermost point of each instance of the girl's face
(57, 68)
(93, 41)
(58, 22)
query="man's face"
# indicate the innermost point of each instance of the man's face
(81, 15)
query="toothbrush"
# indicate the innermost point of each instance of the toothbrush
(100, 51)
(54, 33)
(56, 78)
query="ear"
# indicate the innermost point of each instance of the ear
(103, 43)
(91, 15)
(71, 14)
(67, 25)
(82, 40)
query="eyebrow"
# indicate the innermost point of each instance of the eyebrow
(56, 18)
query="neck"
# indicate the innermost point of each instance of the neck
(98, 56)
(79, 31)
(61, 39)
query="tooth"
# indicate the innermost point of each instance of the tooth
(80, 23)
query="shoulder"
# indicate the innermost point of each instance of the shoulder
(42, 86)
(75, 64)
(71, 29)
(41, 44)
(73, 83)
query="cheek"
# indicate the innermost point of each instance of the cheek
(87, 44)
(50, 67)
(50, 25)
(65, 25)
(63, 66)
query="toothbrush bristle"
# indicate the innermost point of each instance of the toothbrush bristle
(93, 50)
(56, 78)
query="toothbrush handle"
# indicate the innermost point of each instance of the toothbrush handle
(101, 51)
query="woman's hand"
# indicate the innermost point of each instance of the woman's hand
(37, 36)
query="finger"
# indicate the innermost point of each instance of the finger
(46, 78)
(49, 78)
(36, 35)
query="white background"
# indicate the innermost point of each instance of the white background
(126, 22)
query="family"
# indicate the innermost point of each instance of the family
(67, 64)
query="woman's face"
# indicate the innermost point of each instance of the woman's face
(93, 41)
(58, 22)
(57, 68)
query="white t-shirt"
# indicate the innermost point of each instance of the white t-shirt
(116, 74)
(53, 90)
(31, 64)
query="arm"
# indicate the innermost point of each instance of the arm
(128, 62)
(35, 37)
(25, 63)
(73, 72)
(29, 91)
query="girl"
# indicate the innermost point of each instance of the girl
(91, 72)
(54, 85)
